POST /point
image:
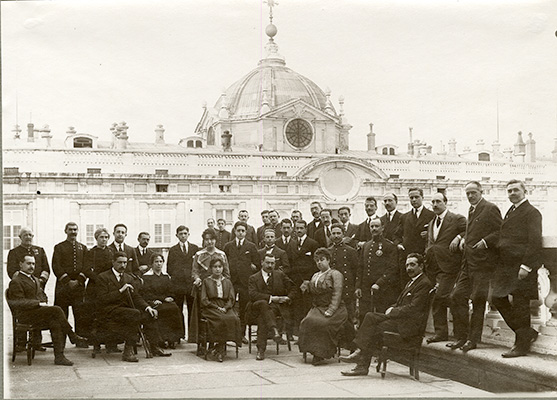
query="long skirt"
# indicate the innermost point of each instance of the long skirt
(319, 335)
(222, 327)
(169, 322)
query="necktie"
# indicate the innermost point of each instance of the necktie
(239, 244)
(471, 211)
(416, 213)
(120, 276)
(121, 249)
(438, 222)
(328, 232)
(510, 211)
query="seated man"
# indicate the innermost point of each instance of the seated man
(29, 301)
(270, 292)
(405, 317)
(121, 317)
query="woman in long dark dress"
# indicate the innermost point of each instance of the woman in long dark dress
(319, 330)
(158, 292)
(217, 303)
(200, 270)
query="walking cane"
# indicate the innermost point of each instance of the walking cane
(146, 344)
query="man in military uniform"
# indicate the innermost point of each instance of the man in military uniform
(377, 284)
(223, 236)
(68, 264)
(42, 270)
(346, 260)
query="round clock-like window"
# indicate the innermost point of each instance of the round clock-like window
(299, 133)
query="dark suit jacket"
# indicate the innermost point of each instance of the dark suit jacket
(302, 265)
(279, 285)
(364, 234)
(520, 242)
(251, 235)
(312, 228)
(109, 296)
(281, 245)
(437, 251)
(411, 229)
(484, 223)
(41, 262)
(281, 263)
(24, 296)
(143, 259)
(321, 237)
(240, 260)
(179, 267)
(392, 228)
(381, 269)
(412, 307)
(133, 265)
(223, 237)
(351, 230)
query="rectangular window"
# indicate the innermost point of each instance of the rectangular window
(117, 187)
(246, 189)
(93, 219)
(183, 188)
(227, 215)
(162, 221)
(282, 189)
(224, 173)
(33, 187)
(140, 187)
(70, 187)
(13, 221)
(281, 174)
(93, 170)
(394, 176)
(11, 171)
(224, 188)
(440, 177)
(265, 188)
(205, 188)
(162, 188)
(161, 172)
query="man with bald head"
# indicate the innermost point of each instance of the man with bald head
(42, 269)
(443, 260)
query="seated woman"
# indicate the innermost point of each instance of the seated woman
(217, 302)
(158, 293)
(319, 330)
(199, 271)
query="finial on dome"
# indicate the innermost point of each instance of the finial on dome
(271, 48)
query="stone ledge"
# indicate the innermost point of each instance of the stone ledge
(484, 368)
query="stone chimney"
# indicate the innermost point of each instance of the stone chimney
(159, 135)
(45, 134)
(519, 146)
(508, 152)
(530, 149)
(371, 139)
(17, 132)
(122, 136)
(30, 132)
(410, 142)
(452, 147)
(496, 148)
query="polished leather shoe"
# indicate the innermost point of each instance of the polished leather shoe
(358, 371)
(456, 345)
(244, 340)
(352, 358)
(318, 361)
(514, 352)
(435, 339)
(128, 354)
(219, 357)
(157, 351)
(469, 345)
(260, 355)
(171, 345)
(79, 341)
(62, 360)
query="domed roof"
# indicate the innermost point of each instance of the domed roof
(274, 84)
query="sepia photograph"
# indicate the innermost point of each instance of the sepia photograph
(279, 198)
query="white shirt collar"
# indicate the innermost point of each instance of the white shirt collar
(520, 202)
(266, 275)
(116, 273)
(302, 240)
(443, 214)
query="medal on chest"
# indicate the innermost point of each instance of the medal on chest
(379, 251)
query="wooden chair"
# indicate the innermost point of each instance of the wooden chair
(394, 343)
(204, 339)
(252, 333)
(25, 330)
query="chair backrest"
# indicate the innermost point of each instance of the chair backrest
(431, 296)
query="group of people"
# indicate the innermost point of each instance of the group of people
(316, 280)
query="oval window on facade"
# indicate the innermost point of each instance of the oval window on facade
(299, 133)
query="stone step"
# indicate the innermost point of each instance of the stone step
(484, 368)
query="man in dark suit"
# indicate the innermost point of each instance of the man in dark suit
(520, 248)
(29, 302)
(414, 227)
(302, 268)
(120, 233)
(364, 229)
(405, 317)
(68, 264)
(270, 292)
(119, 316)
(261, 230)
(443, 260)
(178, 266)
(286, 234)
(346, 260)
(274, 222)
(323, 234)
(223, 236)
(295, 215)
(313, 226)
(243, 260)
(41, 270)
(377, 284)
(281, 259)
(350, 229)
(142, 253)
(251, 235)
(484, 224)
(392, 220)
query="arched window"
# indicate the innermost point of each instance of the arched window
(385, 151)
(198, 144)
(391, 151)
(483, 157)
(211, 137)
(82, 142)
(190, 143)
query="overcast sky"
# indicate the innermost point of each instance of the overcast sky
(438, 66)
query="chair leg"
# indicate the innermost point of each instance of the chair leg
(29, 348)
(249, 339)
(14, 342)
(288, 343)
(416, 364)
(305, 355)
(338, 353)
(277, 349)
(236, 350)
(383, 357)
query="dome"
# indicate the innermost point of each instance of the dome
(272, 83)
